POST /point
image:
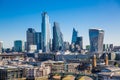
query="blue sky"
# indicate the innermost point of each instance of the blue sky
(18, 15)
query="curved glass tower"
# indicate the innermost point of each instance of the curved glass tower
(74, 36)
(57, 38)
(96, 40)
(45, 29)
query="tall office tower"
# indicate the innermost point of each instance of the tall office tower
(66, 46)
(105, 47)
(45, 29)
(18, 46)
(74, 36)
(57, 38)
(79, 42)
(30, 37)
(96, 41)
(111, 47)
(38, 40)
(1, 46)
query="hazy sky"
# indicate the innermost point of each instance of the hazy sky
(18, 15)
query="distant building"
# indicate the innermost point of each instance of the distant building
(105, 47)
(72, 47)
(111, 47)
(79, 42)
(45, 29)
(88, 47)
(57, 38)
(96, 41)
(108, 47)
(38, 40)
(33, 48)
(30, 37)
(116, 48)
(18, 46)
(1, 46)
(66, 46)
(109, 73)
(74, 35)
(10, 73)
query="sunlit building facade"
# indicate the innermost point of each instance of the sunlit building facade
(45, 29)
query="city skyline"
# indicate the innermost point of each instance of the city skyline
(83, 15)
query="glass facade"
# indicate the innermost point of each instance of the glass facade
(38, 40)
(1, 46)
(74, 36)
(57, 38)
(79, 42)
(18, 46)
(45, 29)
(96, 40)
(30, 37)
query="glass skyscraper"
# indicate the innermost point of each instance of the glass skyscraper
(74, 36)
(38, 40)
(45, 29)
(18, 46)
(79, 42)
(30, 37)
(57, 38)
(96, 41)
(1, 46)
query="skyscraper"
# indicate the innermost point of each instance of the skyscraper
(18, 46)
(57, 38)
(38, 40)
(79, 41)
(45, 29)
(1, 46)
(30, 37)
(74, 36)
(96, 41)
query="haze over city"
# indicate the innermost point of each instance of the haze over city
(17, 16)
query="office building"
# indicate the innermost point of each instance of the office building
(57, 38)
(45, 29)
(66, 46)
(30, 37)
(32, 48)
(18, 46)
(74, 36)
(79, 42)
(107, 47)
(38, 41)
(1, 46)
(96, 37)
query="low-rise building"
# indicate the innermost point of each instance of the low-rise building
(109, 73)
